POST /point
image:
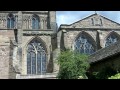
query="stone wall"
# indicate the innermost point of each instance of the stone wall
(46, 39)
(13, 54)
(97, 26)
(27, 21)
(7, 33)
(13, 62)
(3, 19)
(4, 57)
(69, 36)
(6, 54)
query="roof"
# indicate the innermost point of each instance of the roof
(104, 53)
(86, 23)
(89, 17)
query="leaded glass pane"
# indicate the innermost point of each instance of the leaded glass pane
(33, 63)
(43, 63)
(35, 22)
(38, 63)
(30, 48)
(84, 45)
(111, 40)
(12, 22)
(28, 63)
(8, 23)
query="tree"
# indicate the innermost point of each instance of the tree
(72, 65)
(116, 76)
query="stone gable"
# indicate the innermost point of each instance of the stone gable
(93, 21)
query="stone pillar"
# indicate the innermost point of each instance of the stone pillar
(16, 62)
(98, 40)
(19, 37)
(101, 37)
(19, 33)
(56, 53)
(59, 34)
(41, 23)
(52, 17)
(44, 23)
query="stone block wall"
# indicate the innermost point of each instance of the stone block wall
(4, 57)
(47, 43)
(69, 36)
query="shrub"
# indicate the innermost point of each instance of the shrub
(116, 76)
(103, 74)
(72, 65)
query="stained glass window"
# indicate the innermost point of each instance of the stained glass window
(36, 58)
(10, 21)
(111, 39)
(35, 22)
(84, 45)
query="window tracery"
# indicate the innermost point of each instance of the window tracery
(84, 45)
(111, 39)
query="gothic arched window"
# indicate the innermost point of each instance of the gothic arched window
(10, 21)
(83, 44)
(36, 58)
(111, 39)
(35, 22)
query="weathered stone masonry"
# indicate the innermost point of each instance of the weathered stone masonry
(21, 35)
(17, 30)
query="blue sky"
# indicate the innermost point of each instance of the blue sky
(68, 17)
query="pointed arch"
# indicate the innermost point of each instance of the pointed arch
(35, 22)
(10, 21)
(84, 43)
(36, 57)
(40, 40)
(112, 38)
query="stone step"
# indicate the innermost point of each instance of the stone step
(47, 76)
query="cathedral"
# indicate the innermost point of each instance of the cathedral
(30, 41)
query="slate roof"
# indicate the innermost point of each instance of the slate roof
(104, 53)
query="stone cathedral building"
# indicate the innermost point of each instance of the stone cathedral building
(30, 41)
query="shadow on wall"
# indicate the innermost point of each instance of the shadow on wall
(50, 64)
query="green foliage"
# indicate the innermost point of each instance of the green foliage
(116, 76)
(103, 74)
(72, 65)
